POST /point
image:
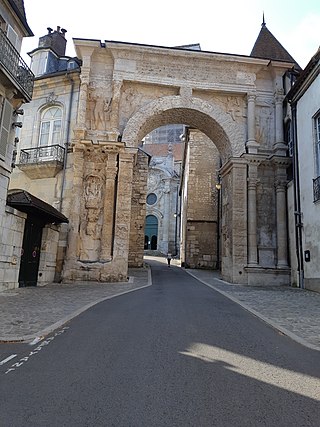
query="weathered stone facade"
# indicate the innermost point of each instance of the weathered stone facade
(126, 91)
(201, 245)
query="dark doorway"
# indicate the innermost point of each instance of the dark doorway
(154, 243)
(151, 232)
(30, 253)
(146, 240)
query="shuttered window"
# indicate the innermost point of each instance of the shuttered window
(6, 122)
(317, 143)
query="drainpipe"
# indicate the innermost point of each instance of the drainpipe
(67, 139)
(297, 203)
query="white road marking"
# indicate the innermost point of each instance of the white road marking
(34, 351)
(36, 340)
(7, 359)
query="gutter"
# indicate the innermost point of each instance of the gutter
(67, 140)
(297, 202)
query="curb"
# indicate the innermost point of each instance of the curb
(259, 315)
(46, 331)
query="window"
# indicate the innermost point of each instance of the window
(50, 127)
(5, 127)
(151, 199)
(317, 144)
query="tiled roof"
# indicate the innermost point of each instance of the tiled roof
(268, 47)
(161, 150)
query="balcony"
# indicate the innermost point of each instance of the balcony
(42, 162)
(15, 71)
(316, 189)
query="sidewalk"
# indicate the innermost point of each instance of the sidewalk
(294, 312)
(28, 313)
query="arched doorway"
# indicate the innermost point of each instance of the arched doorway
(151, 232)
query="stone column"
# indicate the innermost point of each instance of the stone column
(252, 214)
(123, 209)
(252, 145)
(279, 146)
(82, 104)
(234, 221)
(114, 116)
(77, 200)
(107, 233)
(281, 203)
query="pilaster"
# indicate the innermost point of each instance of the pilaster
(252, 145)
(109, 207)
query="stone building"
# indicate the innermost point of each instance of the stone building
(162, 227)
(233, 108)
(16, 82)
(41, 184)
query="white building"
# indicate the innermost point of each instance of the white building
(16, 83)
(305, 202)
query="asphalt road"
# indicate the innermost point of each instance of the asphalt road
(174, 354)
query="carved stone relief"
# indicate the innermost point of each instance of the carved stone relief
(90, 229)
(98, 106)
(264, 120)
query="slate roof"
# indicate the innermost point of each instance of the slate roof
(313, 64)
(18, 7)
(26, 202)
(268, 47)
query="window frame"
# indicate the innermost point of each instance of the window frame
(51, 133)
(317, 143)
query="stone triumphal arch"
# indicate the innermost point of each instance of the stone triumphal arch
(233, 102)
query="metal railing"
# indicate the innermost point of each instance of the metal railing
(47, 153)
(316, 189)
(15, 67)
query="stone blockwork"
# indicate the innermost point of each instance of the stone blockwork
(138, 209)
(11, 235)
(201, 211)
(124, 92)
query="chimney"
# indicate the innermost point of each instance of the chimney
(56, 40)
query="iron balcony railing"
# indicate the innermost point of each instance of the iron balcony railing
(316, 189)
(15, 67)
(48, 153)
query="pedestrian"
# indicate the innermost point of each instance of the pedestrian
(169, 259)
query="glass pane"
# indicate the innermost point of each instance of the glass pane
(56, 132)
(44, 133)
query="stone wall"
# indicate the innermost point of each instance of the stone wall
(48, 256)
(138, 210)
(201, 231)
(11, 237)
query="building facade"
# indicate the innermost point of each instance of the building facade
(104, 109)
(304, 201)
(44, 159)
(16, 83)
(162, 227)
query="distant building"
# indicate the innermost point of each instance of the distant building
(162, 227)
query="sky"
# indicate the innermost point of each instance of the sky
(227, 26)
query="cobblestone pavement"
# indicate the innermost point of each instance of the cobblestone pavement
(295, 312)
(27, 313)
